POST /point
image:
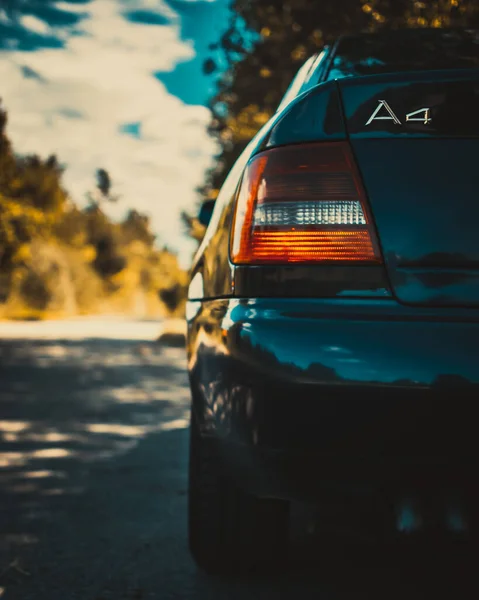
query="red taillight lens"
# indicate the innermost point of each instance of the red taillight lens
(302, 204)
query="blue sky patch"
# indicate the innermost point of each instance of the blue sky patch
(29, 73)
(202, 24)
(132, 129)
(55, 17)
(146, 17)
(14, 36)
(71, 113)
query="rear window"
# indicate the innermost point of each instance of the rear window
(407, 50)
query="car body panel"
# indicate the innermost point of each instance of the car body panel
(421, 178)
(331, 369)
(306, 281)
(337, 378)
(435, 262)
(316, 115)
(451, 97)
(424, 195)
(318, 108)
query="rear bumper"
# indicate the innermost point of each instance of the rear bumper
(304, 476)
(334, 390)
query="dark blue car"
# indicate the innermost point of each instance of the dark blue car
(333, 322)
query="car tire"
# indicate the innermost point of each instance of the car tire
(230, 531)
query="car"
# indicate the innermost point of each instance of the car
(333, 307)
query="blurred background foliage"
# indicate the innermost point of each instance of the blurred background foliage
(267, 42)
(57, 259)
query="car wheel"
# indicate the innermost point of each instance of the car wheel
(229, 530)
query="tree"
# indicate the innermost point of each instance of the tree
(103, 182)
(102, 191)
(57, 257)
(136, 227)
(32, 198)
(38, 183)
(103, 235)
(7, 160)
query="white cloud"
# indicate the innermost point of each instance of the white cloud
(86, 91)
(33, 24)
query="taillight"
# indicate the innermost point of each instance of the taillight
(303, 204)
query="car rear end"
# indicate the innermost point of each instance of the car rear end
(346, 355)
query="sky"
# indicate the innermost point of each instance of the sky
(116, 84)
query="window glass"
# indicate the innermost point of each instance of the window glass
(406, 50)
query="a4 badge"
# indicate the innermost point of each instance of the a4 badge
(384, 112)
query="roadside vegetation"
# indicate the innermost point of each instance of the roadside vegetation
(57, 259)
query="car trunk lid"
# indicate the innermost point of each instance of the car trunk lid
(415, 137)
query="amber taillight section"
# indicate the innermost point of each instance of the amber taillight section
(303, 204)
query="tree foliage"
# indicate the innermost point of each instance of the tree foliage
(55, 256)
(31, 197)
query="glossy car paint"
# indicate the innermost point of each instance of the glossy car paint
(337, 382)
(422, 180)
(313, 116)
(349, 370)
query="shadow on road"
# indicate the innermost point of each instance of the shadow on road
(67, 408)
